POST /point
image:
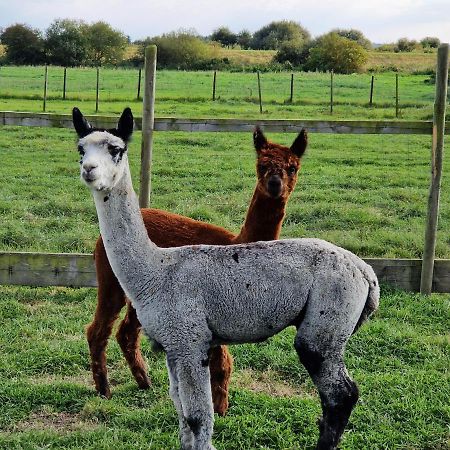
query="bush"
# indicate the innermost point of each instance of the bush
(430, 42)
(405, 45)
(274, 35)
(333, 52)
(293, 52)
(354, 35)
(180, 50)
(224, 36)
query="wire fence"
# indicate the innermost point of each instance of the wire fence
(282, 89)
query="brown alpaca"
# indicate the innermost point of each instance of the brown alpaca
(277, 169)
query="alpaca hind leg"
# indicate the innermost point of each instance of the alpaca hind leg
(220, 367)
(186, 435)
(320, 343)
(128, 337)
(338, 392)
(194, 390)
(110, 301)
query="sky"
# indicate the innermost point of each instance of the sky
(381, 21)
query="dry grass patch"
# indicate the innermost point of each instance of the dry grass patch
(269, 382)
(46, 418)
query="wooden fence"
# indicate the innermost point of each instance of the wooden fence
(78, 270)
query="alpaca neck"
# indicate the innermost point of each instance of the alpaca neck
(130, 252)
(264, 219)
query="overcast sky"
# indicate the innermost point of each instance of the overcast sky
(380, 20)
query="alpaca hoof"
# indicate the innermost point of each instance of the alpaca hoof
(221, 408)
(143, 382)
(105, 394)
(103, 390)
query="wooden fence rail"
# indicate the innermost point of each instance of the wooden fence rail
(78, 270)
(229, 125)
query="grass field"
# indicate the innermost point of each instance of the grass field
(367, 193)
(189, 94)
(400, 360)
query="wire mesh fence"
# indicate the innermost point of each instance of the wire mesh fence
(22, 88)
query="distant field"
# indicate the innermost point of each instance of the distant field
(189, 94)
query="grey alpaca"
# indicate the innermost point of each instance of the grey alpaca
(191, 298)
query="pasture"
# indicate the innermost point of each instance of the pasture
(366, 193)
(189, 94)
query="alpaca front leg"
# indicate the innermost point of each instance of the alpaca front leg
(194, 390)
(128, 337)
(185, 432)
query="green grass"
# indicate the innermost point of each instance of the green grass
(367, 193)
(188, 94)
(400, 360)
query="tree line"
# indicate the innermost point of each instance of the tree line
(74, 43)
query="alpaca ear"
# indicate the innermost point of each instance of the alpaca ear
(259, 140)
(301, 142)
(82, 126)
(125, 125)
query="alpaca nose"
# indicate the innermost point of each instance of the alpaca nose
(89, 167)
(274, 185)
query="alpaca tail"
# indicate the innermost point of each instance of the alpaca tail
(373, 296)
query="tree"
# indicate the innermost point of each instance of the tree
(224, 36)
(334, 52)
(244, 39)
(272, 36)
(104, 44)
(66, 43)
(430, 42)
(24, 45)
(405, 45)
(354, 35)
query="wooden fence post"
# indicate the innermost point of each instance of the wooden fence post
(45, 88)
(259, 92)
(214, 86)
(331, 91)
(437, 152)
(371, 92)
(148, 120)
(139, 85)
(396, 96)
(64, 83)
(291, 99)
(96, 93)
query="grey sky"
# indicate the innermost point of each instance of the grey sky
(380, 20)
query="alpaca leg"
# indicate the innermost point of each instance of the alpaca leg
(220, 367)
(186, 435)
(322, 358)
(194, 390)
(111, 299)
(128, 337)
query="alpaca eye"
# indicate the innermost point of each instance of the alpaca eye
(292, 170)
(113, 150)
(262, 169)
(81, 150)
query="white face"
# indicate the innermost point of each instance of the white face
(103, 159)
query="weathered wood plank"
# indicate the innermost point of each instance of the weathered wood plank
(229, 125)
(78, 270)
(41, 269)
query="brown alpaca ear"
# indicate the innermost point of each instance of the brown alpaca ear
(301, 142)
(259, 140)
